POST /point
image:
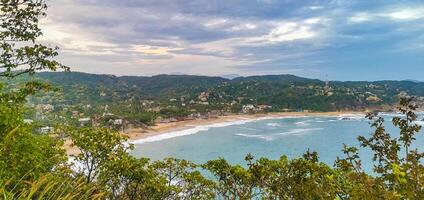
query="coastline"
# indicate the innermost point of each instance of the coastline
(137, 135)
(160, 131)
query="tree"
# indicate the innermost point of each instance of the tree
(24, 155)
(96, 146)
(399, 169)
(127, 177)
(183, 180)
(20, 51)
(29, 155)
(234, 182)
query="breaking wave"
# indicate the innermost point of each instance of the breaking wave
(271, 137)
(201, 128)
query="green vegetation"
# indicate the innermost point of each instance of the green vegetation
(106, 170)
(279, 91)
(139, 102)
(33, 166)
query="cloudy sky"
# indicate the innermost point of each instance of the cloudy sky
(337, 40)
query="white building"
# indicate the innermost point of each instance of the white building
(84, 121)
(46, 129)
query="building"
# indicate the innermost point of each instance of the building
(248, 108)
(264, 107)
(203, 96)
(84, 121)
(46, 130)
(118, 122)
(44, 107)
(28, 121)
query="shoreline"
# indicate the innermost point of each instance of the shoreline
(140, 135)
(136, 135)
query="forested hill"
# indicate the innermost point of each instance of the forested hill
(150, 87)
(279, 91)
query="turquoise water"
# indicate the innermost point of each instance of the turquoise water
(264, 138)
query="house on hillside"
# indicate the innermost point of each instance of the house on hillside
(118, 122)
(84, 121)
(46, 130)
(203, 96)
(28, 121)
(249, 108)
(263, 107)
(44, 107)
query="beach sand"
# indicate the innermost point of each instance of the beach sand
(161, 128)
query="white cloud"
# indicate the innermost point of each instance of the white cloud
(360, 17)
(407, 14)
(68, 39)
(111, 39)
(214, 23)
(290, 32)
(394, 14)
(153, 50)
(314, 8)
(243, 27)
(287, 31)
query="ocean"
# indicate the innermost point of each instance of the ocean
(266, 137)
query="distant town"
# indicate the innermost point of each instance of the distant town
(124, 103)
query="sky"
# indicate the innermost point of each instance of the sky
(334, 40)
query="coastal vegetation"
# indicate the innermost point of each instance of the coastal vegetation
(140, 102)
(34, 165)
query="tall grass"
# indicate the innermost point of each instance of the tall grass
(49, 187)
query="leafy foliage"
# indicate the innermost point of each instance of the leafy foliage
(96, 147)
(34, 166)
(19, 51)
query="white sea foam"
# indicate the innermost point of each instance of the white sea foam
(173, 134)
(273, 124)
(324, 120)
(299, 131)
(354, 117)
(247, 128)
(264, 137)
(302, 123)
(391, 114)
(271, 137)
(197, 129)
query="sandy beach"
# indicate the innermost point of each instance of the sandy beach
(162, 128)
(136, 134)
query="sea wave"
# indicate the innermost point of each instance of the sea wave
(170, 135)
(325, 121)
(271, 137)
(273, 124)
(353, 117)
(264, 137)
(247, 128)
(302, 123)
(390, 114)
(298, 131)
(197, 129)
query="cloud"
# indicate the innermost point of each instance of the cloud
(393, 14)
(360, 17)
(407, 14)
(290, 31)
(129, 37)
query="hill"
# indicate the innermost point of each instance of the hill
(281, 91)
(144, 98)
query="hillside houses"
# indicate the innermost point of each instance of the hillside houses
(250, 108)
(44, 108)
(84, 121)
